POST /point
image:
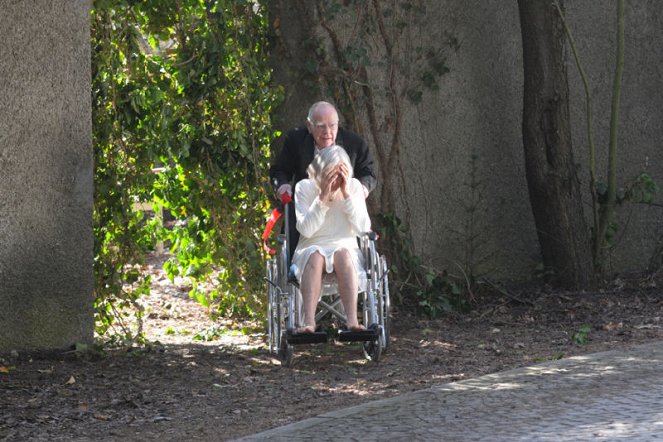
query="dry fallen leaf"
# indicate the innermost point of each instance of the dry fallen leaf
(612, 326)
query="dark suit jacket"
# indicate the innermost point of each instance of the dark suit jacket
(298, 151)
(296, 155)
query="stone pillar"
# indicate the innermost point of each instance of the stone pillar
(46, 175)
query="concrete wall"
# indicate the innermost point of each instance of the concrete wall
(483, 219)
(641, 110)
(46, 175)
(472, 121)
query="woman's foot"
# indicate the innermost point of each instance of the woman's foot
(356, 327)
(307, 329)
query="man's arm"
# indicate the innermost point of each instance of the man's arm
(282, 170)
(363, 168)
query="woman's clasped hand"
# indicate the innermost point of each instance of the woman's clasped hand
(334, 182)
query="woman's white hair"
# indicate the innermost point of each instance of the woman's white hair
(326, 158)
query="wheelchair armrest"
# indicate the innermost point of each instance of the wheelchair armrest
(365, 239)
(372, 236)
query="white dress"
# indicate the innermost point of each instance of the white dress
(328, 227)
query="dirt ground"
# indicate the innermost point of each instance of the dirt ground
(230, 386)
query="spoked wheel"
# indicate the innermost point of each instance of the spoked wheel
(274, 307)
(271, 304)
(385, 303)
(286, 352)
(373, 349)
(273, 327)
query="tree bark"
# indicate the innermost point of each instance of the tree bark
(554, 187)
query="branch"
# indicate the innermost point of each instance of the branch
(590, 131)
(614, 114)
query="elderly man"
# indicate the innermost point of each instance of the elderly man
(300, 145)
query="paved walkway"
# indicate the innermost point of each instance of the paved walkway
(608, 396)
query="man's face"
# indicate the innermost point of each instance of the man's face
(324, 126)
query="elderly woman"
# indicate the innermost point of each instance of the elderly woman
(331, 211)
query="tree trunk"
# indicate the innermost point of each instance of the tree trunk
(554, 188)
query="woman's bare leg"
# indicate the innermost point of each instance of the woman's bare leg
(310, 287)
(347, 281)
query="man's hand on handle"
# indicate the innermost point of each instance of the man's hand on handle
(284, 193)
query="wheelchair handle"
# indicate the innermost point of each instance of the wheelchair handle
(271, 221)
(286, 198)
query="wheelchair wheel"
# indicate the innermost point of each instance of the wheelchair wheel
(277, 307)
(385, 303)
(274, 329)
(373, 349)
(286, 352)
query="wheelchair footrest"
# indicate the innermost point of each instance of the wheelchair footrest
(305, 338)
(370, 334)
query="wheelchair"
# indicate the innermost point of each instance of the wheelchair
(285, 301)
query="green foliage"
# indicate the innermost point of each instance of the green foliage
(430, 292)
(582, 335)
(441, 294)
(210, 334)
(215, 332)
(640, 190)
(182, 86)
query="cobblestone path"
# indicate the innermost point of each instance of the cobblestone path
(599, 397)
